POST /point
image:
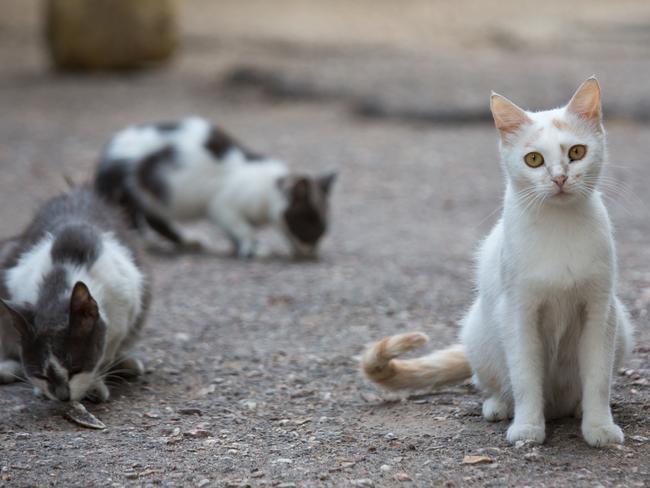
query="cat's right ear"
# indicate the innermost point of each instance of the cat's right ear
(20, 317)
(508, 118)
(84, 311)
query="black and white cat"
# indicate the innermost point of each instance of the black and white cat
(73, 299)
(189, 169)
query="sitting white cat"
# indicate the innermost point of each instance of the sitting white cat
(546, 331)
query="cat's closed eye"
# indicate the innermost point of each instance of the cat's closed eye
(577, 152)
(534, 159)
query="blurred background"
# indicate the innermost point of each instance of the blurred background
(395, 95)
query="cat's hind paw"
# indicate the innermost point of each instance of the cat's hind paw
(603, 434)
(495, 410)
(526, 432)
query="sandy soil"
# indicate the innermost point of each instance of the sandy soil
(251, 372)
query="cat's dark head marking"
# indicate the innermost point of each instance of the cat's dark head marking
(61, 338)
(306, 214)
(219, 143)
(149, 171)
(78, 244)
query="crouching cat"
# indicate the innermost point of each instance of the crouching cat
(73, 299)
(189, 169)
(546, 331)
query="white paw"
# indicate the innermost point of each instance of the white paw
(495, 410)
(10, 371)
(98, 393)
(526, 432)
(603, 434)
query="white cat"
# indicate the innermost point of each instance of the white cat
(189, 169)
(546, 330)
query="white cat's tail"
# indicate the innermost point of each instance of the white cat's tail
(442, 367)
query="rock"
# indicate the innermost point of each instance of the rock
(203, 482)
(533, 456)
(477, 460)
(385, 468)
(190, 411)
(110, 34)
(639, 438)
(364, 483)
(198, 433)
(402, 477)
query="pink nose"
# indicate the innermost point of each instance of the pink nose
(560, 180)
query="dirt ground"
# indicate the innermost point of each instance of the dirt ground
(252, 376)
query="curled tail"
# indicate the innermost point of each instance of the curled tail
(443, 367)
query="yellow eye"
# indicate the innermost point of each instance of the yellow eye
(577, 152)
(534, 159)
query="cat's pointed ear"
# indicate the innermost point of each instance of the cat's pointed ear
(326, 180)
(507, 116)
(585, 103)
(301, 189)
(84, 311)
(20, 317)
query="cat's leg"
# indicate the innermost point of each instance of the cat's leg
(497, 408)
(240, 232)
(170, 231)
(99, 392)
(486, 356)
(596, 352)
(524, 354)
(10, 371)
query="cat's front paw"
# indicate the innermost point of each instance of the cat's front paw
(599, 435)
(526, 432)
(10, 371)
(98, 393)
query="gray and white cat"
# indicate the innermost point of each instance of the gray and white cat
(73, 298)
(189, 169)
(546, 331)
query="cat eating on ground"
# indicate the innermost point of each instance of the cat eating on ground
(546, 330)
(72, 300)
(187, 170)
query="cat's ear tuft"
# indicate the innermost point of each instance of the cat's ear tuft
(585, 102)
(508, 118)
(20, 317)
(326, 180)
(84, 311)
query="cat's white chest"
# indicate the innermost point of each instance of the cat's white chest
(562, 255)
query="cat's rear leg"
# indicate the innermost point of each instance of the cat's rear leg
(10, 371)
(173, 233)
(497, 408)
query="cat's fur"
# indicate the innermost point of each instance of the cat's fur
(189, 169)
(73, 299)
(546, 330)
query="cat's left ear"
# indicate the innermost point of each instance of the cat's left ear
(326, 180)
(585, 103)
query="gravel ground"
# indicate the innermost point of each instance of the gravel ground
(251, 376)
